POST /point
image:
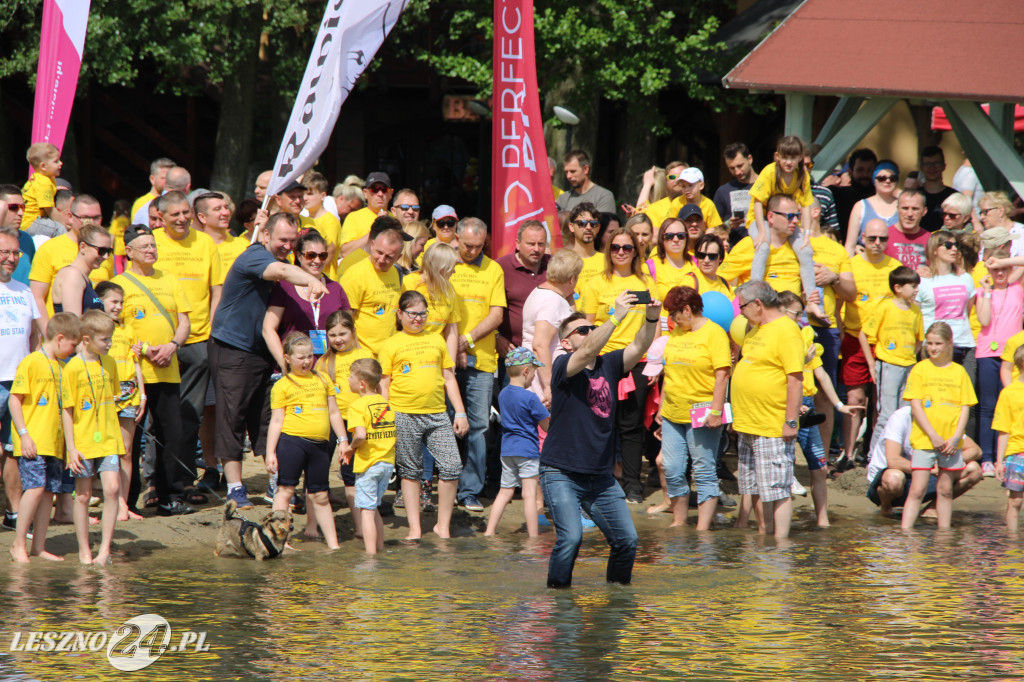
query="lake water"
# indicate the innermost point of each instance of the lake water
(860, 601)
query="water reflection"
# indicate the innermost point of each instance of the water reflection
(858, 601)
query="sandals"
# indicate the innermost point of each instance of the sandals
(150, 499)
(193, 496)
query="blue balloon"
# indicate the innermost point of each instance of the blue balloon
(718, 308)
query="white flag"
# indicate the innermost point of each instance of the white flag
(350, 35)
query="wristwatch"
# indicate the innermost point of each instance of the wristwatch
(792, 423)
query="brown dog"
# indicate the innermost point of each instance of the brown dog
(243, 538)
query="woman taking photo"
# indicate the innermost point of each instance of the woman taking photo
(882, 205)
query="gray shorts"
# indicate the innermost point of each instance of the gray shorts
(413, 431)
(97, 465)
(515, 469)
(926, 459)
(41, 472)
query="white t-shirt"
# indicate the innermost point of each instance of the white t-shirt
(965, 181)
(17, 311)
(944, 298)
(549, 306)
(897, 429)
(141, 216)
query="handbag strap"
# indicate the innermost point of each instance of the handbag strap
(159, 306)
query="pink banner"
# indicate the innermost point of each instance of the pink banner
(60, 60)
(521, 187)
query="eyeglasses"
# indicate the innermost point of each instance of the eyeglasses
(875, 238)
(788, 216)
(587, 223)
(950, 245)
(315, 255)
(885, 178)
(952, 216)
(624, 248)
(794, 313)
(93, 218)
(983, 211)
(4, 255)
(582, 330)
(746, 304)
(15, 207)
(704, 255)
(447, 223)
(407, 207)
(421, 315)
(103, 251)
(672, 236)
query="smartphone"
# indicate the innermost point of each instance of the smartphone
(643, 296)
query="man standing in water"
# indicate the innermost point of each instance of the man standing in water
(579, 453)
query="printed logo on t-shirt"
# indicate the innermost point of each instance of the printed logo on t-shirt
(600, 397)
(379, 310)
(406, 368)
(86, 405)
(864, 296)
(138, 313)
(42, 400)
(927, 401)
(381, 417)
(890, 344)
(298, 409)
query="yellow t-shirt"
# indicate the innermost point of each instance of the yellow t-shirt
(667, 276)
(374, 414)
(833, 256)
(430, 242)
(894, 333)
(440, 312)
(342, 365)
(351, 260)
(124, 359)
(807, 334)
(329, 228)
(116, 230)
(357, 224)
(979, 273)
(943, 391)
(707, 209)
(57, 253)
(477, 289)
(194, 262)
(227, 251)
(1012, 344)
(305, 404)
(38, 194)
(592, 267)
(782, 272)
(145, 323)
(374, 298)
(764, 189)
(142, 201)
(599, 298)
(1009, 417)
(705, 284)
(38, 382)
(772, 351)
(872, 282)
(556, 191)
(691, 359)
(416, 364)
(89, 389)
(658, 212)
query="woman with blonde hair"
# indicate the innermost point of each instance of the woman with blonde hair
(408, 262)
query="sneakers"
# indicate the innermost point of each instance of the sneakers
(988, 469)
(241, 498)
(633, 497)
(797, 488)
(426, 503)
(472, 504)
(210, 481)
(10, 522)
(175, 508)
(399, 502)
(298, 505)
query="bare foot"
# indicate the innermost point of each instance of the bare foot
(445, 534)
(101, 559)
(825, 524)
(674, 524)
(413, 536)
(333, 547)
(93, 520)
(929, 513)
(19, 555)
(659, 508)
(885, 509)
(49, 557)
(488, 535)
(126, 514)
(85, 557)
(62, 521)
(315, 535)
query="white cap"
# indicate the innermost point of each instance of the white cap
(691, 175)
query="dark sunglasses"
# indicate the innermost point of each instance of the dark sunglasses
(587, 223)
(15, 207)
(103, 251)
(379, 189)
(671, 236)
(788, 216)
(445, 223)
(885, 178)
(702, 255)
(582, 330)
(625, 248)
(881, 240)
(984, 211)
(950, 245)
(951, 216)
(408, 207)
(673, 176)
(315, 255)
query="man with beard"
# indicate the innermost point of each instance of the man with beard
(582, 188)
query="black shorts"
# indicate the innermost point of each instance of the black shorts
(929, 494)
(347, 475)
(297, 455)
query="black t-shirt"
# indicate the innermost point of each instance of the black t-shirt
(932, 219)
(846, 198)
(581, 437)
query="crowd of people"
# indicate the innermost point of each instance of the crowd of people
(872, 323)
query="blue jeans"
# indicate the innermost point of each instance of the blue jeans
(602, 498)
(476, 388)
(989, 386)
(680, 443)
(5, 413)
(809, 439)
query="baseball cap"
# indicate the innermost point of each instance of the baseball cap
(690, 210)
(522, 356)
(655, 357)
(293, 185)
(995, 237)
(444, 211)
(378, 177)
(691, 175)
(133, 232)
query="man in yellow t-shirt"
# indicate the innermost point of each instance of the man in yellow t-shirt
(157, 182)
(213, 217)
(357, 224)
(767, 391)
(782, 271)
(373, 285)
(480, 289)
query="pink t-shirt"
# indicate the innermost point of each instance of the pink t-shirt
(1007, 312)
(551, 307)
(909, 251)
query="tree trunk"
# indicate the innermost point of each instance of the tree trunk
(584, 136)
(638, 146)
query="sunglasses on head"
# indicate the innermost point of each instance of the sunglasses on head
(446, 223)
(885, 178)
(672, 236)
(103, 251)
(625, 248)
(879, 239)
(407, 207)
(704, 255)
(587, 223)
(582, 330)
(315, 255)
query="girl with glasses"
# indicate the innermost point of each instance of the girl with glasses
(882, 205)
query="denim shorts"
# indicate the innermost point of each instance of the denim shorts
(515, 469)
(130, 412)
(41, 472)
(97, 465)
(371, 484)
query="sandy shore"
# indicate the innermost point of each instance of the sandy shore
(197, 532)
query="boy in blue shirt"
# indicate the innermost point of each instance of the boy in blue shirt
(521, 413)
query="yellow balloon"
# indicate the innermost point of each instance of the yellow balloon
(738, 330)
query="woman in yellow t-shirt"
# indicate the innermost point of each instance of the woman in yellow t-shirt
(624, 271)
(303, 412)
(940, 395)
(697, 365)
(418, 372)
(434, 282)
(708, 255)
(669, 264)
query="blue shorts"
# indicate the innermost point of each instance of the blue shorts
(5, 414)
(1013, 475)
(41, 472)
(97, 465)
(900, 500)
(371, 484)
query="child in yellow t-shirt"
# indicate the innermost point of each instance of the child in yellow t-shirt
(940, 395)
(131, 398)
(38, 445)
(372, 424)
(1008, 420)
(327, 224)
(40, 188)
(896, 331)
(303, 412)
(91, 434)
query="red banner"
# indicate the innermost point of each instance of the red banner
(521, 187)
